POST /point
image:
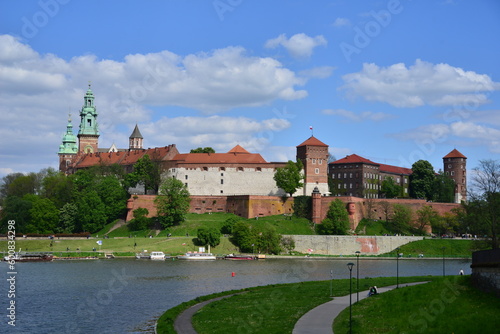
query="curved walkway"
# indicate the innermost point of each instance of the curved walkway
(319, 320)
(183, 324)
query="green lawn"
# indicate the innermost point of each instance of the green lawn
(434, 248)
(446, 305)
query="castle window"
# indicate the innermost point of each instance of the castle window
(222, 191)
(449, 166)
(221, 181)
(339, 185)
(320, 161)
(452, 173)
(186, 184)
(350, 175)
(316, 170)
(221, 174)
(223, 168)
(259, 169)
(186, 177)
(350, 185)
(240, 169)
(339, 176)
(89, 121)
(333, 176)
(205, 168)
(314, 161)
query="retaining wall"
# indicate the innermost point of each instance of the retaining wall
(348, 245)
(486, 270)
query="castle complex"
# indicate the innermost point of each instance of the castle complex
(239, 172)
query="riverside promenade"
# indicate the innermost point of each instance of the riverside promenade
(319, 320)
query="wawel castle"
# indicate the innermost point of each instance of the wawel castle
(239, 172)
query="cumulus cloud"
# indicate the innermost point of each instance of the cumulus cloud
(475, 134)
(298, 46)
(357, 117)
(221, 132)
(420, 84)
(37, 91)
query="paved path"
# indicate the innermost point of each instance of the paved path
(183, 324)
(319, 320)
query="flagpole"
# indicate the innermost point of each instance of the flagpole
(312, 131)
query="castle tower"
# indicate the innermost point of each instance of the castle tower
(314, 156)
(88, 134)
(135, 139)
(455, 166)
(68, 149)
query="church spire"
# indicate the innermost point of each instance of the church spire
(88, 133)
(68, 148)
(135, 139)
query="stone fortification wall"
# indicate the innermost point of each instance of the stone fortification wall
(486, 270)
(348, 245)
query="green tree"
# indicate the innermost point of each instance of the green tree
(57, 187)
(140, 221)
(208, 236)
(227, 227)
(91, 212)
(147, 173)
(289, 178)
(427, 216)
(244, 236)
(113, 196)
(268, 240)
(18, 209)
(5, 184)
(288, 244)
(44, 215)
(302, 206)
(172, 203)
(202, 150)
(68, 216)
(336, 221)
(422, 180)
(390, 189)
(443, 188)
(401, 218)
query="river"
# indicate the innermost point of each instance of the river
(127, 295)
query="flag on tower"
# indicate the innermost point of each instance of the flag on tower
(310, 128)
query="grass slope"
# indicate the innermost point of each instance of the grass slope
(434, 248)
(446, 305)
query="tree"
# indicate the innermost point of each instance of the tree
(244, 236)
(208, 236)
(289, 178)
(443, 188)
(401, 218)
(68, 215)
(58, 188)
(422, 180)
(18, 209)
(302, 206)
(336, 221)
(288, 243)
(172, 203)
(386, 209)
(6, 181)
(113, 196)
(268, 240)
(483, 208)
(147, 173)
(202, 150)
(427, 216)
(140, 221)
(227, 227)
(390, 189)
(91, 215)
(44, 215)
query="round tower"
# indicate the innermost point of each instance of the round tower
(455, 167)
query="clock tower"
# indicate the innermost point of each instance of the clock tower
(88, 134)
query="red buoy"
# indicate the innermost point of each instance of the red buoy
(233, 274)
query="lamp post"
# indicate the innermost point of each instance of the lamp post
(331, 283)
(357, 275)
(350, 265)
(397, 268)
(443, 262)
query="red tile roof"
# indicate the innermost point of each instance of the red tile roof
(238, 149)
(353, 158)
(455, 154)
(237, 155)
(395, 169)
(312, 141)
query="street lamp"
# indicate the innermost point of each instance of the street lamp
(331, 283)
(443, 261)
(397, 268)
(357, 275)
(350, 265)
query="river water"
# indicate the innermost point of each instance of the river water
(127, 295)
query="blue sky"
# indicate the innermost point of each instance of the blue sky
(392, 81)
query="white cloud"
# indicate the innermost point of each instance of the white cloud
(341, 22)
(38, 91)
(299, 45)
(358, 117)
(420, 84)
(222, 133)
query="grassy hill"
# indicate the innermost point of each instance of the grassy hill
(434, 248)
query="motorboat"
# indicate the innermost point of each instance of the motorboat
(197, 256)
(157, 256)
(29, 257)
(240, 257)
(143, 256)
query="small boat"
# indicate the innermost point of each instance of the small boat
(143, 256)
(157, 256)
(197, 256)
(29, 257)
(240, 257)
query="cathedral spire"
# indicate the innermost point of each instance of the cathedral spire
(68, 148)
(88, 133)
